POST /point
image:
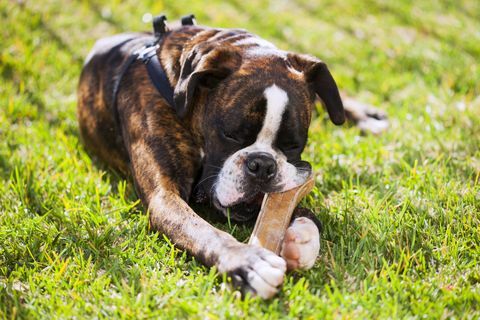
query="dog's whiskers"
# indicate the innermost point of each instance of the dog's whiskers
(209, 177)
(205, 179)
(212, 190)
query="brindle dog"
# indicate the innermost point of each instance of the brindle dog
(237, 130)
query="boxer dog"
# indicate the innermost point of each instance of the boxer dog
(235, 130)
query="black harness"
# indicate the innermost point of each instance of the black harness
(148, 55)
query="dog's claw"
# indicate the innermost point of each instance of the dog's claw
(254, 270)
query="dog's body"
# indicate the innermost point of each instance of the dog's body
(237, 129)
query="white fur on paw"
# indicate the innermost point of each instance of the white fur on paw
(373, 125)
(265, 279)
(254, 269)
(301, 244)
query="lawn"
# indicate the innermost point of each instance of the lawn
(401, 211)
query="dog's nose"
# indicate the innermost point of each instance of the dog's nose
(261, 166)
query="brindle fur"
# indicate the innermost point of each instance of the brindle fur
(146, 118)
(162, 148)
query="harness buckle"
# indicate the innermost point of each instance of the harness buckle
(147, 52)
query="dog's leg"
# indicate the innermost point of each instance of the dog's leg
(301, 243)
(366, 117)
(253, 269)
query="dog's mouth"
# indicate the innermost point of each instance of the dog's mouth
(245, 210)
(244, 202)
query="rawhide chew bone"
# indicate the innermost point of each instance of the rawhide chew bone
(275, 215)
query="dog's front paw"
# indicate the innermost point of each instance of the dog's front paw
(253, 269)
(301, 244)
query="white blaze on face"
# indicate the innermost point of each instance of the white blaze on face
(230, 185)
(277, 100)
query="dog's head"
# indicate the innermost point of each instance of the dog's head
(254, 105)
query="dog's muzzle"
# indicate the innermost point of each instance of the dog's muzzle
(248, 175)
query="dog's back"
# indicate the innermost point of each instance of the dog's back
(95, 94)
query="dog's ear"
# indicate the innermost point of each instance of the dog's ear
(320, 78)
(204, 67)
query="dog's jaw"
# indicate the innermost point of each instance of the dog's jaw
(231, 186)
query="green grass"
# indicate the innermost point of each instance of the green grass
(401, 211)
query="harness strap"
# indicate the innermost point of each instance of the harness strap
(156, 73)
(148, 55)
